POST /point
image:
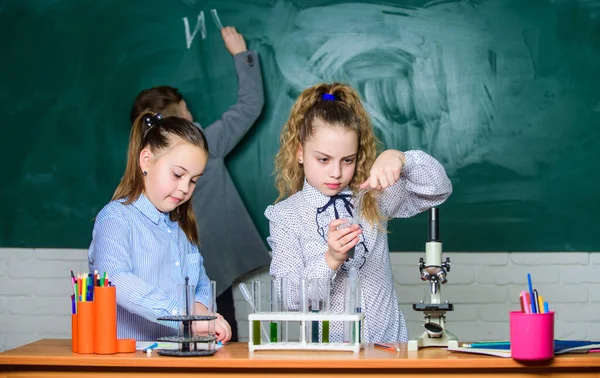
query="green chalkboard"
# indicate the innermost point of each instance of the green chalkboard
(506, 94)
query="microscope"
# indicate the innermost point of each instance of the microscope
(434, 271)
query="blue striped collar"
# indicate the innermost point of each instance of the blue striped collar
(146, 207)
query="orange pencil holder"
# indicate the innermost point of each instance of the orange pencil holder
(105, 320)
(85, 327)
(74, 333)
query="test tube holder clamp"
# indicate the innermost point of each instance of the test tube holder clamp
(189, 344)
(304, 319)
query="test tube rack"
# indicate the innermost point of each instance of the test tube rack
(189, 344)
(305, 319)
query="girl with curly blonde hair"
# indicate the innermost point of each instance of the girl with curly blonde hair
(328, 154)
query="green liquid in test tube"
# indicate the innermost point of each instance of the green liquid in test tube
(325, 328)
(256, 332)
(273, 329)
(325, 331)
(275, 308)
(256, 328)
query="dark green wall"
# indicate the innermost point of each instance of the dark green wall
(506, 94)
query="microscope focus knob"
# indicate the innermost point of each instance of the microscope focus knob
(446, 264)
(421, 264)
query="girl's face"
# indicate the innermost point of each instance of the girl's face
(329, 157)
(171, 176)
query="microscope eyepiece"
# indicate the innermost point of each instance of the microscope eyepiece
(434, 224)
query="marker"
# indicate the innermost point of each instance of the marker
(536, 301)
(531, 295)
(73, 281)
(522, 301)
(153, 346)
(491, 345)
(84, 288)
(387, 347)
(527, 302)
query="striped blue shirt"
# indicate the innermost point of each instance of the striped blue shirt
(146, 256)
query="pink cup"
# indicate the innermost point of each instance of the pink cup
(531, 336)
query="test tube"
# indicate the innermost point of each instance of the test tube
(275, 307)
(256, 301)
(325, 308)
(350, 303)
(314, 306)
(358, 306)
(303, 295)
(212, 310)
(303, 308)
(347, 306)
(283, 290)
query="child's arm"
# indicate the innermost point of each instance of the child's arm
(225, 134)
(111, 249)
(288, 257)
(422, 184)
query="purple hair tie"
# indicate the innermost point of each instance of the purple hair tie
(328, 97)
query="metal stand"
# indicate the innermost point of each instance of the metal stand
(434, 271)
(189, 343)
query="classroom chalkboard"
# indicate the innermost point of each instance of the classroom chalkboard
(506, 94)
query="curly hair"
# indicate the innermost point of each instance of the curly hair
(345, 111)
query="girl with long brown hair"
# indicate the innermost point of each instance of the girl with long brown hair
(146, 239)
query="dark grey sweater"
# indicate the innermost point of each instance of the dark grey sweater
(229, 241)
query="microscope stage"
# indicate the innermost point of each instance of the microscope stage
(433, 307)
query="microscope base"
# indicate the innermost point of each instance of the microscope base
(447, 339)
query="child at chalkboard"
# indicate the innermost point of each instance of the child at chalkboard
(145, 239)
(328, 153)
(215, 193)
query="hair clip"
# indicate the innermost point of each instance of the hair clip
(328, 97)
(151, 121)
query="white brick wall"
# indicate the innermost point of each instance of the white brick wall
(484, 287)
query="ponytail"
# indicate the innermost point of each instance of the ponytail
(132, 182)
